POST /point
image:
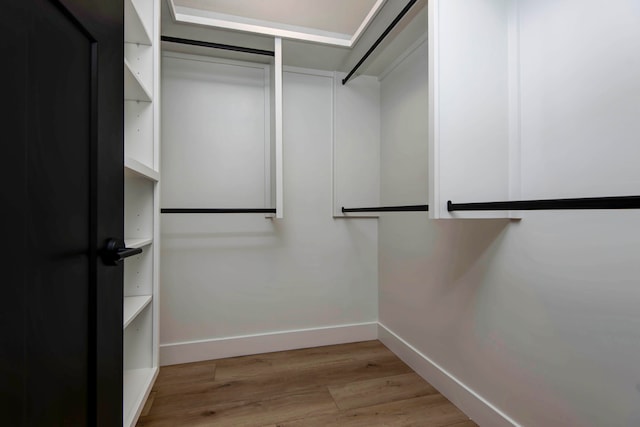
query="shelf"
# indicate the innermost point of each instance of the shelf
(141, 210)
(137, 243)
(137, 385)
(135, 31)
(140, 60)
(134, 89)
(140, 169)
(133, 306)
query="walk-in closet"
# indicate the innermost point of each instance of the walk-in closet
(323, 213)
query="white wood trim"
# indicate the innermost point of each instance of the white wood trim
(268, 143)
(471, 403)
(192, 351)
(199, 17)
(185, 16)
(514, 107)
(279, 149)
(434, 116)
(134, 306)
(155, 248)
(367, 20)
(334, 105)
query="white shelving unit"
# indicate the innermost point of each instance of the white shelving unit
(142, 207)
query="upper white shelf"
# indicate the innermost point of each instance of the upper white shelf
(135, 30)
(140, 169)
(134, 89)
(133, 306)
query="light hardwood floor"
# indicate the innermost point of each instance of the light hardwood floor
(361, 384)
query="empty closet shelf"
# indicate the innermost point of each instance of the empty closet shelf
(138, 243)
(137, 168)
(133, 306)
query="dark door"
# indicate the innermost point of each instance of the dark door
(61, 178)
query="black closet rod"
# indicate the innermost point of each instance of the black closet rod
(217, 46)
(413, 208)
(384, 34)
(617, 202)
(214, 211)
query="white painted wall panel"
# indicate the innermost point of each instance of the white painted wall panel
(215, 119)
(356, 148)
(226, 276)
(580, 98)
(404, 96)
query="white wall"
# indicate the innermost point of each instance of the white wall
(356, 149)
(227, 280)
(538, 317)
(580, 97)
(404, 103)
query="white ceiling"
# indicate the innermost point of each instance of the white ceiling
(334, 16)
(298, 51)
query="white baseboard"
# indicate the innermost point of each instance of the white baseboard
(471, 403)
(194, 351)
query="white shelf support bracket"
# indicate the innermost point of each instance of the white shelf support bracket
(279, 184)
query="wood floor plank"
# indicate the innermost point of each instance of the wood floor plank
(468, 423)
(426, 411)
(380, 390)
(312, 402)
(188, 373)
(362, 384)
(179, 396)
(253, 376)
(288, 361)
(148, 404)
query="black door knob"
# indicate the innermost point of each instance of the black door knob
(115, 251)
